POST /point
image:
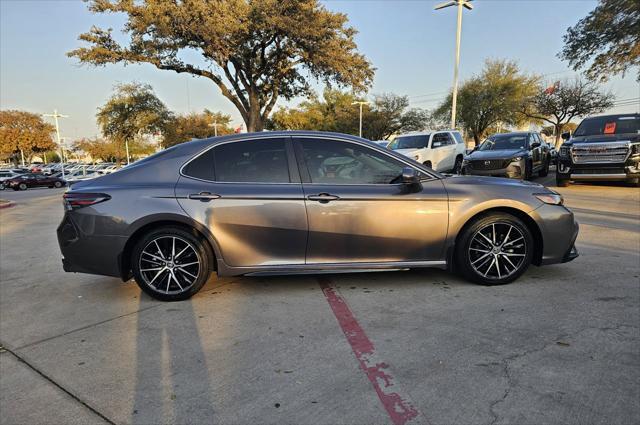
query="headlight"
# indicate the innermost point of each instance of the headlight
(635, 149)
(550, 198)
(564, 151)
(516, 159)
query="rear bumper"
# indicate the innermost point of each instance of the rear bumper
(89, 254)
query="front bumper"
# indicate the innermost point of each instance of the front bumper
(620, 171)
(515, 170)
(559, 231)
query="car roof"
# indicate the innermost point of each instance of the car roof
(613, 116)
(514, 133)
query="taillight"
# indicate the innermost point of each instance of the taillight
(74, 201)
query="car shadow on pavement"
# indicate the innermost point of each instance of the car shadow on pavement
(172, 378)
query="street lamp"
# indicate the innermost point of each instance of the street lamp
(55, 116)
(214, 124)
(361, 103)
(460, 4)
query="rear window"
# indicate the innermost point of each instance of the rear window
(458, 137)
(411, 142)
(628, 124)
(201, 167)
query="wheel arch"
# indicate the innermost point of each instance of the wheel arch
(154, 222)
(523, 216)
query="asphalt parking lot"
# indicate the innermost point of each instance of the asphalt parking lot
(560, 345)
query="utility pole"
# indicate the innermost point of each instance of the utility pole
(361, 103)
(55, 116)
(215, 127)
(460, 4)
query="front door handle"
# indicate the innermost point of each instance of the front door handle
(204, 196)
(323, 198)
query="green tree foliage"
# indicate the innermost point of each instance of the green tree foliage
(388, 114)
(569, 99)
(182, 128)
(493, 97)
(132, 113)
(21, 130)
(255, 51)
(607, 41)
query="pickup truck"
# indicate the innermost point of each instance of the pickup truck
(601, 148)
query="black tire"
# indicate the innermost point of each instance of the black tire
(427, 164)
(544, 171)
(468, 258)
(457, 167)
(199, 252)
(634, 182)
(562, 181)
(1, 186)
(57, 185)
(22, 186)
(527, 170)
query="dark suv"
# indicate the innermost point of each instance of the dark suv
(601, 148)
(515, 155)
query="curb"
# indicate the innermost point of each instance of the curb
(7, 204)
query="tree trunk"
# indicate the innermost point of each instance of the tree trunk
(254, 123)
(476, 139)
(558, 128)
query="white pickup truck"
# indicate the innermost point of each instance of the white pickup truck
(442, 151)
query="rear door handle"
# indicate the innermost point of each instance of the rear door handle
(204, 196)
(323, 198)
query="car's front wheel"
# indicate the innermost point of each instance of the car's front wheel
(57, 185)
(545, 169)
(22, 186)
(171, 264)
(562, 181)
(495, 249)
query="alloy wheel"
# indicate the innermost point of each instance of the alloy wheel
(497, 250)
(170, 265)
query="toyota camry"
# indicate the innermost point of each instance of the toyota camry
(303, 202)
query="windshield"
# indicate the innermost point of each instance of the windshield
(411, 142)
(504, 141)
(629, 124)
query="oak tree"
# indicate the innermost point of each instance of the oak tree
(255, 51)
(607, 41)
(26, 132)
(564, 101)
(182, 128)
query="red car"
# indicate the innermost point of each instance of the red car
(26, 181)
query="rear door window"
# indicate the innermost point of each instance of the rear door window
(252, 161)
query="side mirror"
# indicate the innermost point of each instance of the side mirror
(535, 145)
(410, 176)
(566, 135)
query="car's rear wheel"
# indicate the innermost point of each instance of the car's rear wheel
(494, 250)
(171, 264)
(22, 186)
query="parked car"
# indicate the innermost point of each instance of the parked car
(602, 148)
(6, 175)
(80, 175)
(383, 143)
(515, 155)
(439, 150)
(295, 202)
(25, 181)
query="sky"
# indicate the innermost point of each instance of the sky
(410, 44)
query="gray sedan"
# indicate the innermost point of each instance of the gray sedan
(300, 202)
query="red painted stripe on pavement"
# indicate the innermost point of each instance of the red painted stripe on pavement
(397, 405)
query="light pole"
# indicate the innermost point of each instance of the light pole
(361, 103)
(55, 116)
(215, 127)
(460, 4)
